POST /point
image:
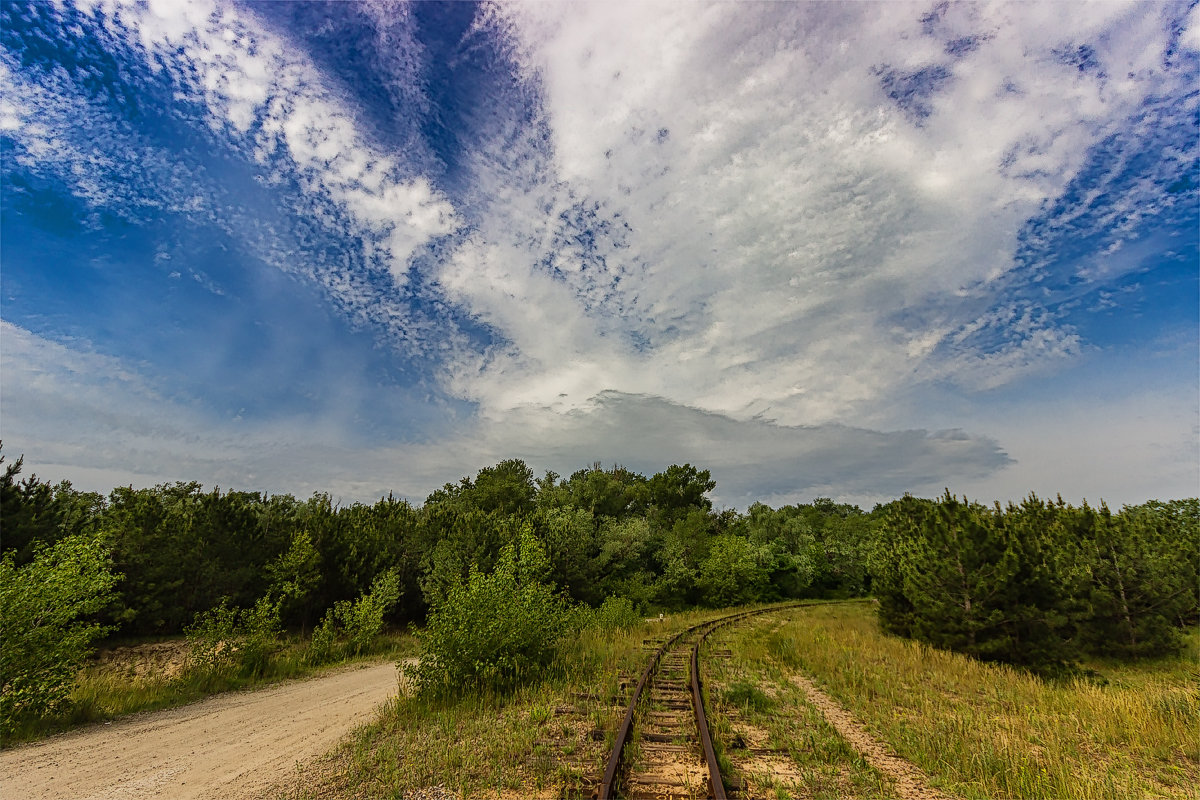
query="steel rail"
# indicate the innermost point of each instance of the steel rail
(614, 759)
(717, 786)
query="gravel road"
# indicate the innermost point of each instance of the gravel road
(232, 746)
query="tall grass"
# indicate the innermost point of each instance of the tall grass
(1128, 730)
(548, 738)
(752, 705)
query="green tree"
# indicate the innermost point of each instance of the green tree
(677, 490)
(505, 489)
(792, 554)
(963, 577)
(617, 492)
(295, 575)
(731, 573)
(624, 561)
(36, 513)
(572, 540)
(46, 625)
(1139, 579)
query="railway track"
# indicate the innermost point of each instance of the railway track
(675, 757)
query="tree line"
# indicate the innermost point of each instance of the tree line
(498, 565)
(181, 550)
(1039, 584)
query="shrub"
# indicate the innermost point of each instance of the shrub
(227, 639)
(350, 627)
(615, 613)
(495, 629)
(742, 694)
(43, 640)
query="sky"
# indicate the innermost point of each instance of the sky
(849, 250)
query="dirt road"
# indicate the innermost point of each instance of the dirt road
(230, 746)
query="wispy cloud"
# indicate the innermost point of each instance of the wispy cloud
(262, 99)
(794, 209)
(724, 233)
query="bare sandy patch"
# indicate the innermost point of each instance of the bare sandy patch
(911, 782)
(157, 660)
(231, 746)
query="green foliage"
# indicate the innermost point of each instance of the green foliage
(46, 630)
(183, 549)
(363, 542)
(494, 630)
(572, 539)
(296, 573)
(746, 695)
(1137, 577)
(617, 492)
(615, 613)
(677, 490)
(505, 489)
(731, 574)
(350, 627)
(37, 514)
(212, 639)
(323, 647)
(953, 574)
(229, 640)
(1038, 584)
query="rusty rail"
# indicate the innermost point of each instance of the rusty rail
(717, 787)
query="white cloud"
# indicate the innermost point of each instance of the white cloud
(1191, 33)
(1141, 444)
(267, 101)
(89, 418)
(730, 233)
(783, 237)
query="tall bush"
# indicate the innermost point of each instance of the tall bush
(45, 630)
(226, 639)
(495, 629)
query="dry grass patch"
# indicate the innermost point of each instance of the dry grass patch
(989, 731)
(770, 738)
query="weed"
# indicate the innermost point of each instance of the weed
(748, 696)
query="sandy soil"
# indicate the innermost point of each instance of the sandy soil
(911, 783)
(232, 746)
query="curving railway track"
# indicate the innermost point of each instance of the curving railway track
(670, 755)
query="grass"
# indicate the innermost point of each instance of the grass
(768, 736)
(107, 689)
(1131, 730)
(550, 738)
(536, 741)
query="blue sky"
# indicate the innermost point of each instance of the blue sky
(843, 249)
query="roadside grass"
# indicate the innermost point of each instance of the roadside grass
(1128, 730)
(767, 735)
(549, 738)
(107, 689)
